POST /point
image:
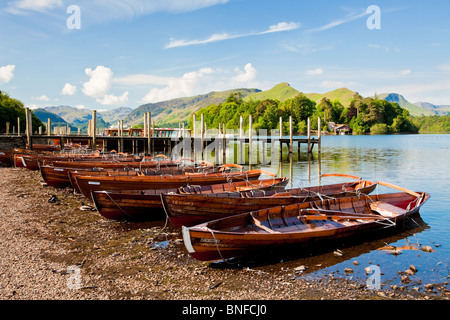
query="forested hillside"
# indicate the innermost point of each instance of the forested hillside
(363, 115)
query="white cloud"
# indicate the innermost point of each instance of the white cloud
(21, 6)
(248, 75)
(6, 73)
(99, 82)
(80, 106)
(110, 99)
(280, 27)
(31, 106)
(336, 23)
(68, 90)
(142, 79)
(203, 81)
(387, 49)
(314, 72)
(444, 67)
(98, 11)
(41, 98)
(406, 72)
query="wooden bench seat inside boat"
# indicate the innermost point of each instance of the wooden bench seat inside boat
(386, 209)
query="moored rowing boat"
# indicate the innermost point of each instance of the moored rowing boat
(146, 204)
(191, 209)
(300, 224)
(87, 184)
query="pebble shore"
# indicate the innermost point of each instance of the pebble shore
(57, 251)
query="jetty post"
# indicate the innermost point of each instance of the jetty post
(28, 127)
(149, 134)
(145, 125)
(194, 134)
(18, 126)
(291, 135)
(309, 135)
(224, 145)
(94, 129)
(319, 134)
(250, 125)
(202, 133)
(241, 136)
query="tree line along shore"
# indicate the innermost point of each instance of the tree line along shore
(362, 116)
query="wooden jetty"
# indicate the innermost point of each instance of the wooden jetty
(151, 140)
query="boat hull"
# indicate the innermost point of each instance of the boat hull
(282, 227)
(87, 184)
(191, 209)
(145, 204)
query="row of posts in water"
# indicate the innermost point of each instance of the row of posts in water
(203, 136)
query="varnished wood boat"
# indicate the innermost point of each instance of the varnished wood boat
(59, 177)
(300, 224)
(191, 209)
(87, 184)
(6, 157)
(108, 164)
(146, 204)
(32, 161)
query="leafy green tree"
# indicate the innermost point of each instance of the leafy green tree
(270, 118)
(379, 128)
(302, 107)
(11, 109)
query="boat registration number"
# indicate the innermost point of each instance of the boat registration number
(95, 183)
(205, 240)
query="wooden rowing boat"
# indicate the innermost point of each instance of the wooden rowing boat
(301, 224)
(191, 209)
(32, 161)
(87, 184)
(59, 177)
(114, 164)
(146, 204)
(7, 156)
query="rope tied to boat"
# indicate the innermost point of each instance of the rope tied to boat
(216, 244)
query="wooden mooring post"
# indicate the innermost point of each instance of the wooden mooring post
(94, 129)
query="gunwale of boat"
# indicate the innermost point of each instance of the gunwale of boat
(255, 231)
(347, 205)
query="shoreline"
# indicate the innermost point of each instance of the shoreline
(56, 251)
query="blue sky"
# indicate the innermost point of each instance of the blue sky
(110, 53)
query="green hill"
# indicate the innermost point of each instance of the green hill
(171, 112)
(280, 92)
(56, 121)
(413, 109)
(343, 95)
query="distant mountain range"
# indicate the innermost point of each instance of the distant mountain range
(171, 112)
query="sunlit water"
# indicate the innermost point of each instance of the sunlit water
(416, 162)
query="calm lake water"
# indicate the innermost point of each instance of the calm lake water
(416, 162)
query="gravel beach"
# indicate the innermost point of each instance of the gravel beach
(54, 250)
